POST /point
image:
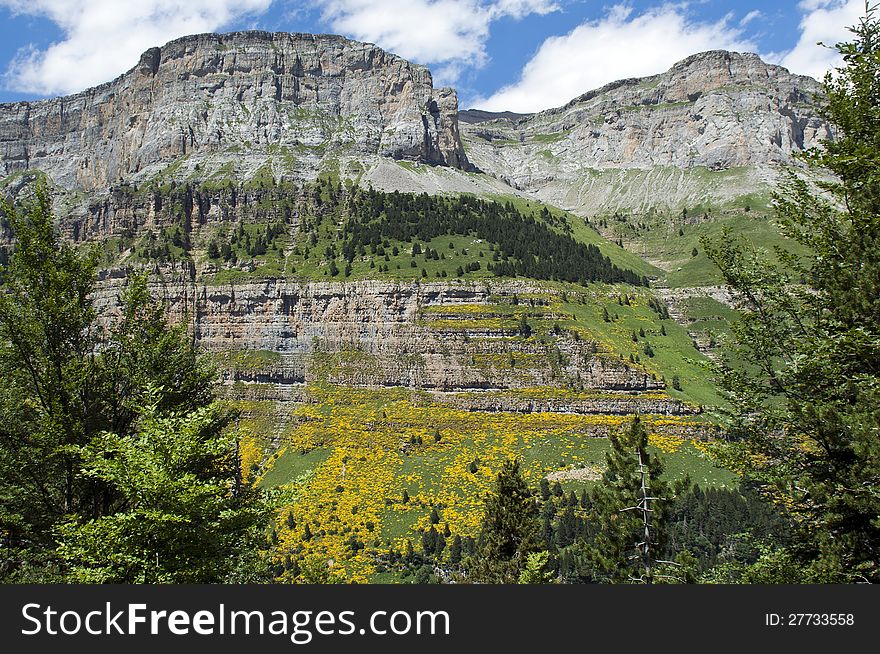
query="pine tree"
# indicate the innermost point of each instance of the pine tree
(807, 416)
(535, 571)
(545, 489)
(630, 509)
(509, 529)
(525, 329)
(455, 551)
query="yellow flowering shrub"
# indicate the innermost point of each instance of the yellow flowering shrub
(383, 443)
(250, 456)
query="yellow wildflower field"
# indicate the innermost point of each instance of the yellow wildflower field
(395, 454)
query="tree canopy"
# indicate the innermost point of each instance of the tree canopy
(808, 399)
(110, 443)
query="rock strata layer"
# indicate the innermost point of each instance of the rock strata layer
(240, 101)
(656, 141)
(380, 334)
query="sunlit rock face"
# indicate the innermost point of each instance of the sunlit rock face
(209, 103)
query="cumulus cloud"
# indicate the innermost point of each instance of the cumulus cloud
(824, 21)
(620, 45)
(103, 38)
(451, 33)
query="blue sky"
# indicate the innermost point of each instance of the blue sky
(519, 55)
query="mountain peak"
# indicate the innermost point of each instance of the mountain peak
(232, 100)
(712, 111)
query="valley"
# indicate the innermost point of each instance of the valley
(399, 296)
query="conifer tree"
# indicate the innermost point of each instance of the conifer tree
(808, 403)
(630, 509)
(509, 530)
(455, 551)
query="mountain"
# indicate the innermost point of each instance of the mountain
(246, 105)
(299, 102)
(716, 126)
(200, 162)
(381, 343)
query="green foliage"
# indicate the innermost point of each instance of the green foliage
(527, 247)
(68, 382)
(524, 328)
(535, 571)
(808, 403)
(625, 548)
(185, 513)
(140, 351)
(46, 339)
(509, 529)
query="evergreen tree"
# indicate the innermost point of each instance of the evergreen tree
(455, 551)
(808, 402)
(509, 529)
(545, 489)
(535, 571)
(525, 329)
(625, 547)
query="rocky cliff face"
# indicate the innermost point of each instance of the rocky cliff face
(431, 336)
(256, 105)
(212, 131)
(657, 140)
(233, 103)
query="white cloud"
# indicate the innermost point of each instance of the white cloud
(823, 21)
(452, 33)
(103, 38)
(618, 46)
(749, 17)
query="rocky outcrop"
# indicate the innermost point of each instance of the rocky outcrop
(259, 106)
(375, 333)
(623, 404)
(656, 141)
(221, 104)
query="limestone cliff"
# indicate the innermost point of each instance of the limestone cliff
(210, 132)
(656, 141)
(436, 336)
(209, 104)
